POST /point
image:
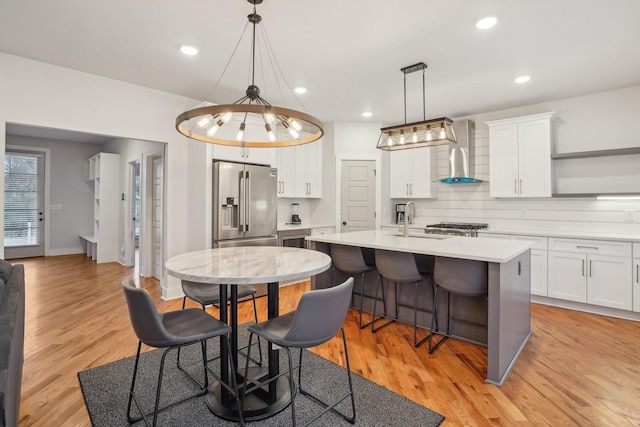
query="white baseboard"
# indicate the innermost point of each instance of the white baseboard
(65, 251)
(587, 308)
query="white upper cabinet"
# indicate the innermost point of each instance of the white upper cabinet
(520, 156)
(285, 164)
(300, 171)
(413, 173)
(261, 156)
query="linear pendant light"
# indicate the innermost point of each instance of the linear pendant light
(426, 133)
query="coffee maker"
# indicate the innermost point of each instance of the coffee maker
(400, 208)
(295, 217)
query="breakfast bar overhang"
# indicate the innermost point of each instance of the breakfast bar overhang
(508, 310)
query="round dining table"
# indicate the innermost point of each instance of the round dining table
(246, 265)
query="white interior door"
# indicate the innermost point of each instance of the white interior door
(157, 220)
(24, 204)
(358, 194)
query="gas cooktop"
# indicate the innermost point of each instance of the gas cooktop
(459, 225)
(455, 228)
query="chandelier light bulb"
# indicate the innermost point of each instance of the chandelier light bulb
(270, 134)
(269, 118)
(204, 121)
(213, 129)
(294, 133)
(226, 117)
(402, 140)
(414, 136)
(443, 133)
(429, 134)
(294, 124)
(389, 141)
(240, 134)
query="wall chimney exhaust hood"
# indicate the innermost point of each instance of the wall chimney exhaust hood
(461, 155)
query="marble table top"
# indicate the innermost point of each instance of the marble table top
(247, 265)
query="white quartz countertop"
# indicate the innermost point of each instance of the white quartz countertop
(566, 234)
(569, 234)
(306, 225)
(490, 250)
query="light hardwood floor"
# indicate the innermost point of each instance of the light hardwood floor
(577, 369)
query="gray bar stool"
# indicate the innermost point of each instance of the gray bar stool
(399, 267)
(462, 277)
(425, 263)
(350, 260)
(207, 294)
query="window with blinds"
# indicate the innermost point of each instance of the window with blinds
(21, 190)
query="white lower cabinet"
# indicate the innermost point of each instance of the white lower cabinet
(538, 259)
(590, 271)
(538, 263)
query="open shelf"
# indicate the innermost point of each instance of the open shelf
(596, 153)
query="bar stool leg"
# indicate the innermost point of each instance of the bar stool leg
(434, 320)
(417, 343)
(384, 303)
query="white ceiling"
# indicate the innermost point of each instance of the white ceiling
(347, 53)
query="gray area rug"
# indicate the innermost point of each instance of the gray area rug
(106, 390)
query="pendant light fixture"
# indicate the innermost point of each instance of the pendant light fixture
(426, 133)
(251, 121)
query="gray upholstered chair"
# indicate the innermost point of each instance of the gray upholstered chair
(206, 294)
(350, 260)
(171, 330)
(462, 277)
(400, 268)
(317, 319)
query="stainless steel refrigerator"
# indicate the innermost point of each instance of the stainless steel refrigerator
(244, 205)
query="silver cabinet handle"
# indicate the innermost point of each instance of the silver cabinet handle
(590, 262)
(411, 189)
(582, 267)
(515, 186)
(406, 191)
(586, 247)
(638, 273)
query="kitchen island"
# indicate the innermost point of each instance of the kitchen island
(505, 312)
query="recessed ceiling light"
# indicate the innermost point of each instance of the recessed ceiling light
(486, 23)
(300, 90)
(189, 50)
(367, 114)
(522, 79)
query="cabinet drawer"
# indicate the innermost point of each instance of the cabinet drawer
(600, 247)
(321, 231)
(494, 235)
(636, 250)
(540, 242)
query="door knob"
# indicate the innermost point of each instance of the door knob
(344, 222)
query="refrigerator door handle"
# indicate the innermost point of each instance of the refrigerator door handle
(242, 202)
(247, 194)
